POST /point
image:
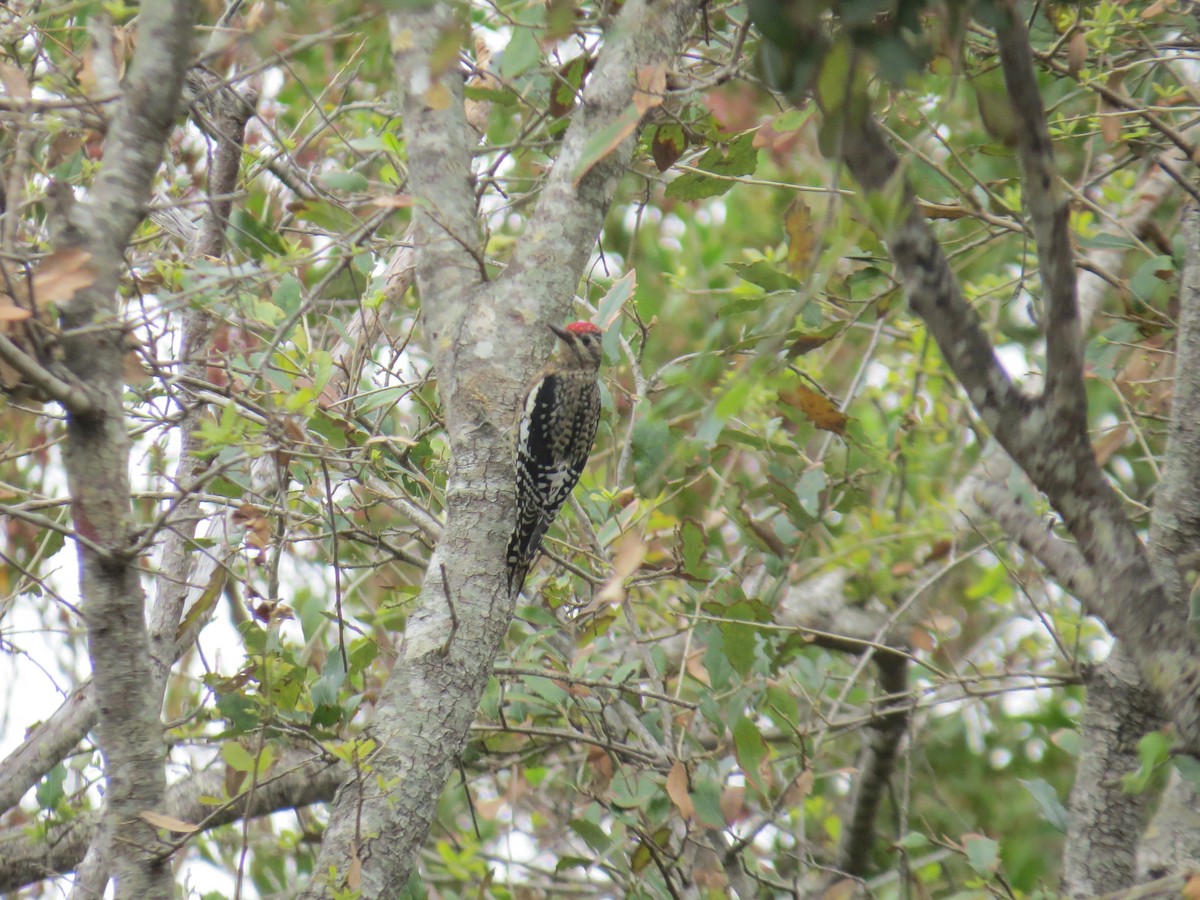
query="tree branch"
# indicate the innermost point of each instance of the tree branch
(97, 459)
(301, 779)
(483, 358)
(1058, 459)
(1050, 212)
(49, 385)
(438, 142)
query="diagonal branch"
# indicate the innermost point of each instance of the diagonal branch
(1058, 458)
(71, 398)
(643, 34)
(932, 288)
(1049, 209)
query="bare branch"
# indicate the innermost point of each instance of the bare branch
(97, 458)
(297, 779)
(47, 383)
(1048, 207)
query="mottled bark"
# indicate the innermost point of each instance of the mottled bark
(487, 338)
(97, 465)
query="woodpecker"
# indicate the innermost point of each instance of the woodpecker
(554, 437)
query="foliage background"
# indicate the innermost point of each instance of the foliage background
(778, 481)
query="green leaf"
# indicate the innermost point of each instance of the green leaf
(914, 840)
(740, 639)
(739, 158)
(765, 276)
(809, 488)
(706, 799)
(521, 54)
(750, 750)
(238, 711)
(324, 690)
(618, 295)
(287, 294)
(1151, 276)
(1046, 798)
(694, 546)
(1154, 750)
(716, 663)
(651, 444)
(237, 757)
(1189, 769)
(834, 81)
(983, 854)
(605, 141)
(256, 238)
(347, 182)
(50, 789)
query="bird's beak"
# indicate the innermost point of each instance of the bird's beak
(562, 333)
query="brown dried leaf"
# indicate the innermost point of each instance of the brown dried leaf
(841, 890)
(162, 820)
(1191, 890)
(1077, 50)
(393, 201)
(695, 667)
(601, 765)
(651, 87)
(10, 312)
(669, 144)
(15, 83)
(817, 408)
(801, 237)
(258, 527)
(733, 804)
(920, 639)
(677, 784)
(1106, 446)
(61, 275)
(940, 550)
(799, 789)
(628, 558)
(1110, 124)
(567, 83)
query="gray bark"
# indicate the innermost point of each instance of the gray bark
(486, 339)
(97, 464)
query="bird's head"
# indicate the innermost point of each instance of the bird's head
(583, 340)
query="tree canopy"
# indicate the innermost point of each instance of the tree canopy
(880, 581)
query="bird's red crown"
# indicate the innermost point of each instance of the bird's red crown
(583, 328)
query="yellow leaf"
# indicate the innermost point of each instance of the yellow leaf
(206, 601)
(402, 40)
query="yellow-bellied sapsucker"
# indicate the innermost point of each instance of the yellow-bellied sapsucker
(554, 438)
